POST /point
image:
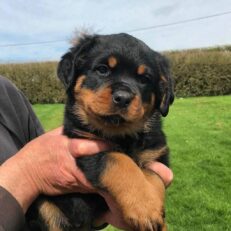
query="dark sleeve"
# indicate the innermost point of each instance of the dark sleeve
(18, 122)
(11, 214)
(18, 126)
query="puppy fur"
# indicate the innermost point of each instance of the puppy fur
(117, 90)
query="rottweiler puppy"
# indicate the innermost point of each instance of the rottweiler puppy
(117, 90)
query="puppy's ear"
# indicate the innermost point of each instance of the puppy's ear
(71, 62)
(65, 69)
(165, 96)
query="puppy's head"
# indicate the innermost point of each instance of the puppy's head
(115, 83)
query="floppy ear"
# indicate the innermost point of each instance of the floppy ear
(65, 69)
(71, 62)
(165, 95)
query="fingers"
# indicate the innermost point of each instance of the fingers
(163, 171)
(114, 219)
(79, 147)
(114, 215)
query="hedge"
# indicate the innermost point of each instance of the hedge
(196, 73)
(201, 72)
(38, 81)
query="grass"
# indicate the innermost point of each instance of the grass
(50, 115)
(199, 135)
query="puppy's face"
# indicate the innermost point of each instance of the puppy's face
(115, 83)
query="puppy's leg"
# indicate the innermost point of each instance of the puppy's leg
(139, 194)
(44, 215)
(62, 213)
(158, 184)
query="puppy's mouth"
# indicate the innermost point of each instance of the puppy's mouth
(113, 119)
(112, 124)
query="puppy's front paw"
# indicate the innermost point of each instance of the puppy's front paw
(144, 218)
(143, 210)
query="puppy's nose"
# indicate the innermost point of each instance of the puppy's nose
(122, 98)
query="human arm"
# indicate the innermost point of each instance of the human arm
(45, 165)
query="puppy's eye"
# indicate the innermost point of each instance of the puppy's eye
(144, 79)
(103, 70)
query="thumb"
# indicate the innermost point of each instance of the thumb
(163, 171)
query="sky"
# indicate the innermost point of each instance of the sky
(27, 21)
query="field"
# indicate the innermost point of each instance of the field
(199, 135)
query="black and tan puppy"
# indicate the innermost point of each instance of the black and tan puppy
(117, 89)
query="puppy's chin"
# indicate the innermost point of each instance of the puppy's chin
(114, 120)
(109, 124)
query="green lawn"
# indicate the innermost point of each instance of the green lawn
(199, 135)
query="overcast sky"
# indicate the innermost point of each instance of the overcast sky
(27, 21)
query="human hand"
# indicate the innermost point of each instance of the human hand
(47, 165)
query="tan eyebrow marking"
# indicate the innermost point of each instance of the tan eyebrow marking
(141, 69)
(112, 61)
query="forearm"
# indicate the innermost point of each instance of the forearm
(15, 179)
(11, 214)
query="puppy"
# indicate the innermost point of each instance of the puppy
(117, 89)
